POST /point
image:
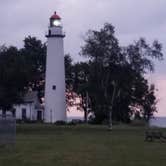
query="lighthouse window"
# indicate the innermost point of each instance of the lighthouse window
(54, 87)
(24, 113)
(49, 32)
(14, 112)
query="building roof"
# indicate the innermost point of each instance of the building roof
(55, 16)
(30, 97)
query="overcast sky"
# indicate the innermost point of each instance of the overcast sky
(132, 19)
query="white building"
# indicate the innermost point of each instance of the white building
(29, 109)
(55, 106)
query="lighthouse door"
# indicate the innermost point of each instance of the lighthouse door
(39, 115)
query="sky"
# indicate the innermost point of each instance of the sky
(132, 19)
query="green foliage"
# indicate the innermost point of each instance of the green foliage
(140, 55)
(115, 81)
(34, 52)
(68, 70)
(111, 82)
(13, 77)
(21, 70)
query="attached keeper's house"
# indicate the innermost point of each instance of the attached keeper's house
(30, 109)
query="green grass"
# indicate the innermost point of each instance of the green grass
(46, 145)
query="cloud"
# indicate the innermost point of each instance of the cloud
(22, 18)
(131, 19)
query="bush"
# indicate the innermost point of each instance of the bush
(77, 121)
(19, 121)
(71, 123)
(60, 122)
(138, 122)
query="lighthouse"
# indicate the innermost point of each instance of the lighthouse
(55, 105)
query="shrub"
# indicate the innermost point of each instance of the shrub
(60, 122)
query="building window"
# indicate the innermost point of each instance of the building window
(3, 113)
(24, 116)
(49, 32)
(39, 115)
(54, 87)
(14, 112)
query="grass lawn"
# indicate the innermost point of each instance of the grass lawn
(46, 145)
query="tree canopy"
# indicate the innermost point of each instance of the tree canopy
(111, 82)
(116, 79)
(21, 70)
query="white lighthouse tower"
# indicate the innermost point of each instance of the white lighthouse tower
(55, 105)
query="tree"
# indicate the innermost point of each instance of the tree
(68, 70)
(80, 84)
(13, 76)
(149, 103)
(103, 49)
(34, 53)
(117, 73)
(76, 83)
(21, 70)
(140, 55)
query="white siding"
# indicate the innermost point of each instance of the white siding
(55, 106)
(31, 112)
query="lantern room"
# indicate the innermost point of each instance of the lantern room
(55, 20)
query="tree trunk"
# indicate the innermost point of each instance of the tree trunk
(111, 107)
(85, 115)
(110, 118)
(86, 108)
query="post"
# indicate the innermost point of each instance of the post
(86, 108)
(111, 106)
